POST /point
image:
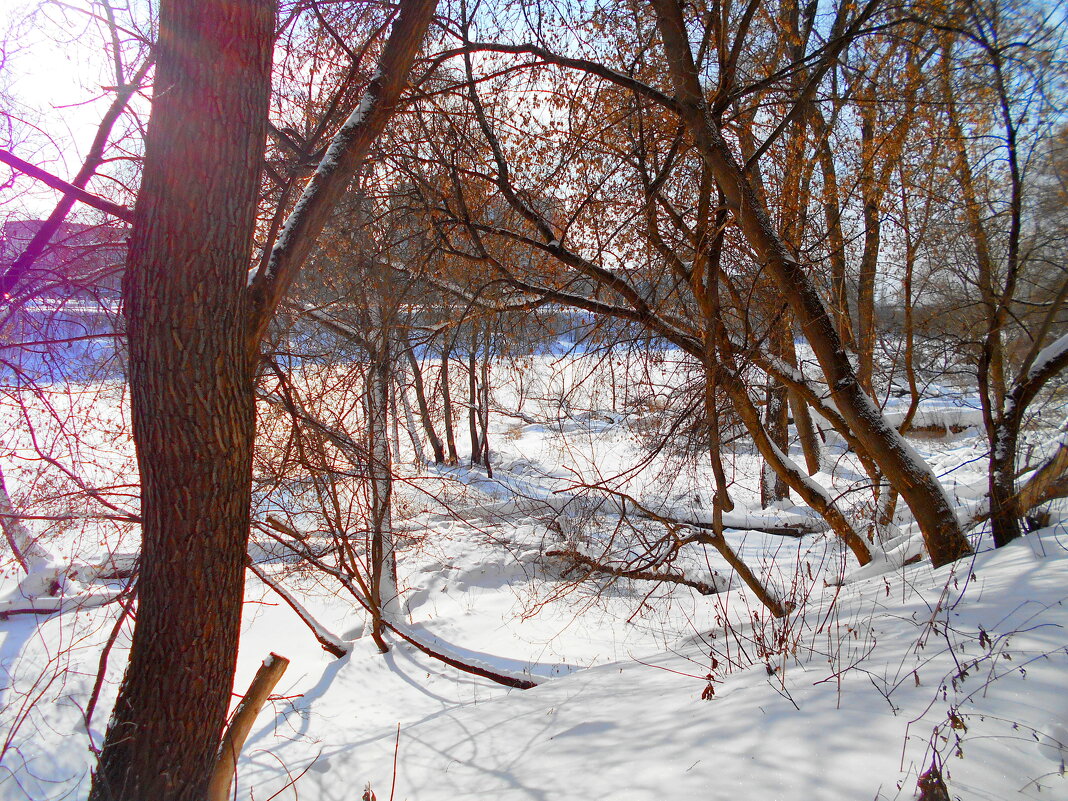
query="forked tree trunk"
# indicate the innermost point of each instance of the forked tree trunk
(191, 395)
(1006, 507)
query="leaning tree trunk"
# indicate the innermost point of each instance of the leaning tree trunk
(191, 395)
(911, 476)
(424, 406)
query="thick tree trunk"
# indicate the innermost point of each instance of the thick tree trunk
(194, 324)
(191, 395)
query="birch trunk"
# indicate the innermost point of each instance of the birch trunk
(384, 599)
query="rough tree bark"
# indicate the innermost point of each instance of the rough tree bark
(194, 326)
(191, 395)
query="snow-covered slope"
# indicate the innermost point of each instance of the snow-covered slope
(646, 691)
(964, 666)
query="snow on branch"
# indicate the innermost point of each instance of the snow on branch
(329, 641)
(1051, 359)
(56, 605)
(463, 661)
(341, 162)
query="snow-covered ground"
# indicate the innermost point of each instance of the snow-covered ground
(645, 691)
